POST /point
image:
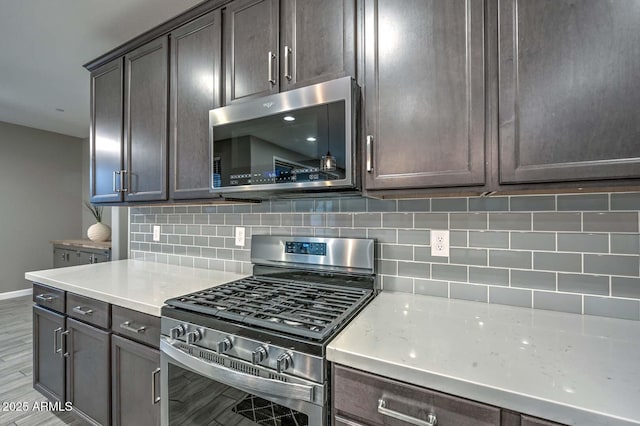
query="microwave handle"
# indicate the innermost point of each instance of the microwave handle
(369, 159)
(243, 381)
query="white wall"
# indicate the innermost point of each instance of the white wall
(41, 178)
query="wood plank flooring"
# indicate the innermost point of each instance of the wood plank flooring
(16, 368)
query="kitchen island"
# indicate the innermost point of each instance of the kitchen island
(572, 369)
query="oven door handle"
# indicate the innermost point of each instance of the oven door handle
(246, 382)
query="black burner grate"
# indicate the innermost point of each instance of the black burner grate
(300, 308)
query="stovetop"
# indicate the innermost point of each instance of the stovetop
(304, 304)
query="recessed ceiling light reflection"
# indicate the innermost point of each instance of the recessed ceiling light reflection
(289, 118)
(311, 139)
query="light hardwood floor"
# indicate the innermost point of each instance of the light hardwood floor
(16, 346)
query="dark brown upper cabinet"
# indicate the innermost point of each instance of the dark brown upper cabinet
(195, 89)
(569, 90)
(318, 41)
(424, 76)
(273, 45)
(106, 133)
(251, 49)
(145, 122)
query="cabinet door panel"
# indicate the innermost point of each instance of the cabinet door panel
(425, 96)
(145, 111)
(250, 33)
(48, 365)
(532, 421)
(134, 366)
(106, 132)
(88, 373)
(321, 36)
(195, 89)
(569, 90)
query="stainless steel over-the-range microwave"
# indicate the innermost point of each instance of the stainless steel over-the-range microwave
(299, 142)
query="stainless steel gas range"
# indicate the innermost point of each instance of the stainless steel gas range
(252, 351)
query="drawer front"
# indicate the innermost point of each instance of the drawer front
(532, 421)
(380, 401)
(341, 421)
(135, 325)
(49, 297)
(89, 310)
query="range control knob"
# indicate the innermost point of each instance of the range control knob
(224, 345)
(177, 331)
(259, 355)
(283, 362)
(194, 336)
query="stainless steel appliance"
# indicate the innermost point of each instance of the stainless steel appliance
(252, 351)
(299, 141)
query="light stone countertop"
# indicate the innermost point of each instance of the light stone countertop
(573, 369)
(134, 284)
(83, 243)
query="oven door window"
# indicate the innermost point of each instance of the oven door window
(197, 400)
(305, 145)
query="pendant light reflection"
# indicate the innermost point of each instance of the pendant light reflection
(328, 161)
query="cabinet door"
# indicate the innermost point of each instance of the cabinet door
(195, 89)
(145, 111)
(569, 91)
(318, 42)
(135, 379)
(48, 360)
(106, 133)
(425, 93)
(251, 49)
(88, 373)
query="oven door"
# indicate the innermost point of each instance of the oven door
(202, 387)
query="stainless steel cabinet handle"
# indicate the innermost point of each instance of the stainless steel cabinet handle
(154, 387)
(287, 64)
(431, 418)
(45, 297)
(270, 63)
(369, 153)
(63, 343)
(57, 350)
(82, 311)
(124, 173)
(127, 326)
(116, 172)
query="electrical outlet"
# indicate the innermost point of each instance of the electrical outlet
(440, 243)
(240, 236)
(156, 233)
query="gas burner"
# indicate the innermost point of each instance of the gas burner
(292, 323)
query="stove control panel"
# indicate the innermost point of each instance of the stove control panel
(303, 247)
(260, 353)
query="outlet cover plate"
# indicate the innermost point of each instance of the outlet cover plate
(156, 233)
(440, 243)
(240, 236)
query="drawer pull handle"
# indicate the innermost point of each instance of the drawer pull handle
(82, 311)
(63, 343)
(431, 418)
(127, 326)
(45, 297)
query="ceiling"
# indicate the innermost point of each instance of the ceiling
(44, 43)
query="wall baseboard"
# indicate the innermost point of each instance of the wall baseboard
(14, 294)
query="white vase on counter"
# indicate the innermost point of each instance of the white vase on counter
(99, 232)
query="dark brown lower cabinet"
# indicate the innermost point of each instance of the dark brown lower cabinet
(88, 378)
(135, 382)
(364, 399)
(48, 360)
